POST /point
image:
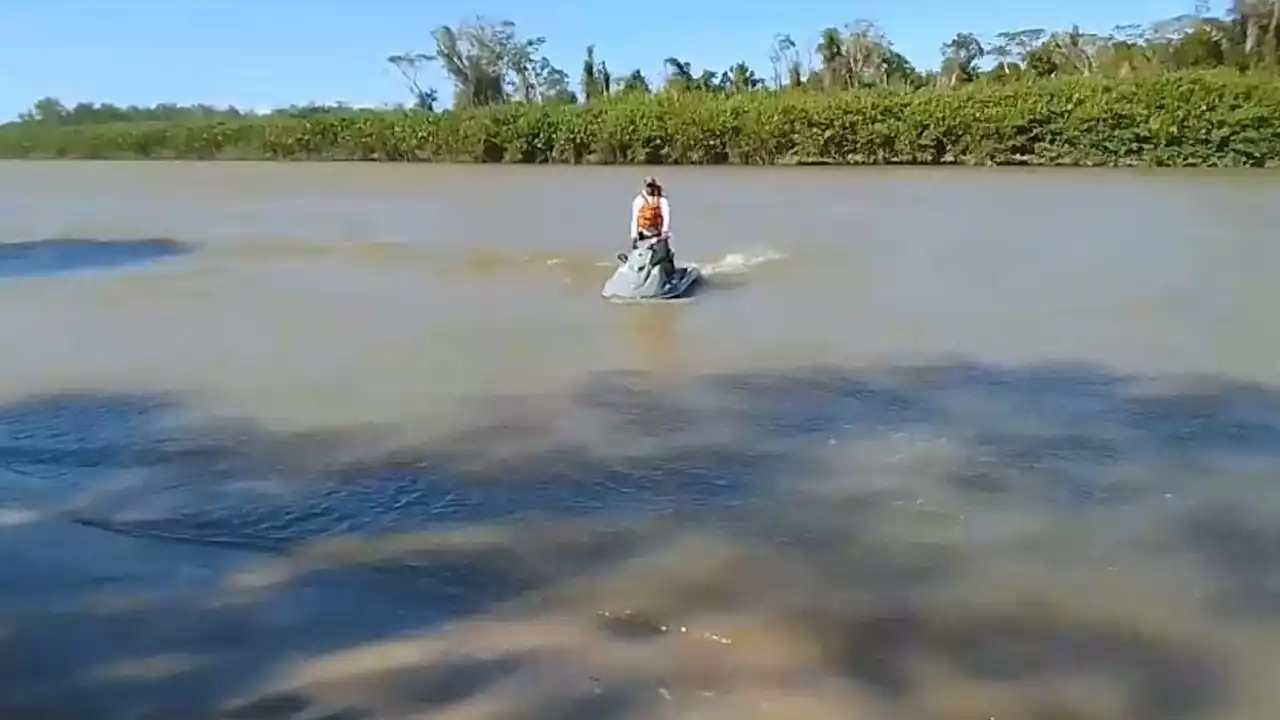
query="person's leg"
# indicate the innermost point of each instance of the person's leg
(665, 259)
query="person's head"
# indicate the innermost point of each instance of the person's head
(652, 186)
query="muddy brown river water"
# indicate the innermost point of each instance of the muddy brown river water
(363, 441)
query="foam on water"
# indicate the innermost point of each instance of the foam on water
(737, 263)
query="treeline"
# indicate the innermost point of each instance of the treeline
(51, 111)
(489, 63)
(1191, 90)
(1193, 118)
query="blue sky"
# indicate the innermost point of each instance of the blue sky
(267, 53)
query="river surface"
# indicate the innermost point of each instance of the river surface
(363, 441)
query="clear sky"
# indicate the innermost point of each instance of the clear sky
(267, 53)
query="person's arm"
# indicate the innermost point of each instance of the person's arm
(666, 215)
(635, 215)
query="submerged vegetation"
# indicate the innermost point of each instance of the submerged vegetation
(1192, 90)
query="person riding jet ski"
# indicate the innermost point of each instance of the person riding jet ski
(650, 219)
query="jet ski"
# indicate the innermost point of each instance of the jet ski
(637, 278)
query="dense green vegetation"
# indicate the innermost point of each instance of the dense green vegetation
(1195, 90)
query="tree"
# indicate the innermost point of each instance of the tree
(473, 63)
(1024, 42)
(409, 65)
(606, 78)
(1126, 51)
(553, 83)
(739, 78)
(48, 110)
(865, 50)
(679, 74)
(636, 84)
(1002, 50)
(786, 62)
(898, 70)
(1205, 46)
(1249, 13)
(427, 99)
(1075, 49)
(835, 65)
(489, 63)
(596, 80)
(52, 111)
(959, 56)
(1042, 61)
(1274, 34)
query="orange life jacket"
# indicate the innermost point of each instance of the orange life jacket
(650, 215)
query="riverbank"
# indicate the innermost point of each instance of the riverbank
(1189, 119)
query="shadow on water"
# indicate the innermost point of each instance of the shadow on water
(358, 576)
(38, 258)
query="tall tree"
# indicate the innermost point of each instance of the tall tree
(1003, 50)
(786, 62)
(835, 69)
(959, 58)
(865, 49)
(410, 65)
(679, 74)
(596, 80)
(490, 63)
(1024, 42)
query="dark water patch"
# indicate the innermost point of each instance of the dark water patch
(59, 665)
(636, 409)
(1240, 420)
(1049, 434)
(1047, 437)
(1065, 469)
(1242, 552)
(821, 401)
(54, 256)
(1160, 678)
(1053, 437)
(1063, 437)
(198, 501)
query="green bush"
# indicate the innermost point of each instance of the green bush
(1183, 119)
